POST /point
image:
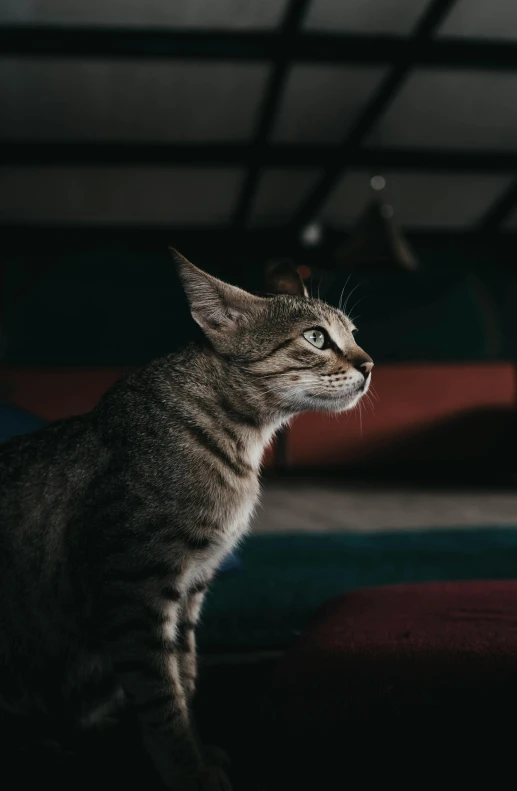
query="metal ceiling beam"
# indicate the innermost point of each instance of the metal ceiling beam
(428, 159)
(290, 27)
(107, 154)
(145, 43)
(107, 42)
(429, 23)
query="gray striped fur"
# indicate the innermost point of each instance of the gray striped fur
(112, 524)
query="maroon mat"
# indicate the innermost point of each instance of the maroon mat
(422, 671)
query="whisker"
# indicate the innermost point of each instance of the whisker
(341, 297)
(368, 402)
(348, 297)
(347, 281)
(358, 302)
(373, 393)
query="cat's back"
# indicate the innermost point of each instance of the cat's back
(30, 454)
(40, 472)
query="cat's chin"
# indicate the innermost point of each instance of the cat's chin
(343, 403)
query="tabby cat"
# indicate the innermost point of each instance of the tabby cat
(113, 523)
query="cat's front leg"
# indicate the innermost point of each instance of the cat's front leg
(186, 640)
(187, 656)
(145, 659)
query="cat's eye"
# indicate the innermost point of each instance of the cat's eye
(316, 337)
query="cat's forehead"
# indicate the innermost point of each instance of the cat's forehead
(339, 325)
(312, 312)
(332, 316)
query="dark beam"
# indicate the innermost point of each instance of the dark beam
(500, 209)
(446, 52)
(429, 160)
(104, 42)
(290, 27)
(110, 42)
(65, 154)
(435, 13)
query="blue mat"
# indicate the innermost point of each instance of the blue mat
(15, 421)
(286, 578)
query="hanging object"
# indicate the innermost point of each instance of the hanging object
(377, 244)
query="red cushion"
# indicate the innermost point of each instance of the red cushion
(411, 401)
(397, 665)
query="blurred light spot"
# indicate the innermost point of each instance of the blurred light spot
(377, 182)
(312, 234)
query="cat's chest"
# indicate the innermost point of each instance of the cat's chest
(233, 510)
(240, 516)
(233, 517)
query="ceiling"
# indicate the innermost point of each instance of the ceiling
(256, 114)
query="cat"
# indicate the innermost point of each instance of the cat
(113, 523)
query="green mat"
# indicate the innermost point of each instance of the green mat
(285, 578)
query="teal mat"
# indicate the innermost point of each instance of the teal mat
(285, 578)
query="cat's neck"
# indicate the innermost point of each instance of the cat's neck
(225, 387)
(198, 387)
(223, 390)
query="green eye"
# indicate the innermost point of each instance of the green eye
(316, 337)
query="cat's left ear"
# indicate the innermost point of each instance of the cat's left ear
(282, 277)
(216, 306)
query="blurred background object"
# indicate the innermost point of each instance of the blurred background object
(367, 148)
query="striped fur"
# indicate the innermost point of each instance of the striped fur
(112, 524)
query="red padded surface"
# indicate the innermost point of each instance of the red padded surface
(402, 668)
(56, 393)
(408, 401)
(410, 643)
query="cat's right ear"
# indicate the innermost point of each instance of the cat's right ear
(217, 307)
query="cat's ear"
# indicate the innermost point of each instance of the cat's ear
(216, 306)
(282, 277)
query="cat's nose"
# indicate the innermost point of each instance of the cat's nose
(364, 367)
